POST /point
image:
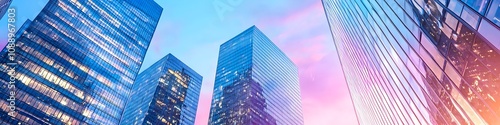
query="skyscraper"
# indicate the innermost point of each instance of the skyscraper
(76, 61)
(255, 83)
(420, 61)
(165, 93)
(4, 6)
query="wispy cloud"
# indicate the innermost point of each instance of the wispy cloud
(304, 35)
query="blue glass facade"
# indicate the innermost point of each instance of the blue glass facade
(255, 83)
(4, 5)
(77, 60)
(420, 61)
(165, 93)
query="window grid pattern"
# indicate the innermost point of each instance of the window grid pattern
(165, 93)
(77, 61)
(419, 61)
(256, 83)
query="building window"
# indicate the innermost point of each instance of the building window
(478, 5)
(490, 32)
(494, 12)
(470, 17)
(456, 7)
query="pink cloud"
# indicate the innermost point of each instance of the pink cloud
(306, 39)
(203, 112)
(304, 36)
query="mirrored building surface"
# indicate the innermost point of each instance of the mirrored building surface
(255, 83)
(76, 61)
(420, 61)
(165, 93)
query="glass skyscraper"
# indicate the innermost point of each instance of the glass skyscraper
(165, 93)
(255, 83)
(420, 61)
(77, 61)
(4, 6)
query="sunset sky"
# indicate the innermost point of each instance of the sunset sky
(194, 30)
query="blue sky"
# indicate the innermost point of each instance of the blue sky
(194, 30)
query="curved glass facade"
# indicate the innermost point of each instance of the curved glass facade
(255, 83)
(165, 93)
(420, 61)
(77, 61)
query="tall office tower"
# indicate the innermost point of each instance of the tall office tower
(420, 61)
(165, 93)
(255, 83)
(4, 6)
(76, 61)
